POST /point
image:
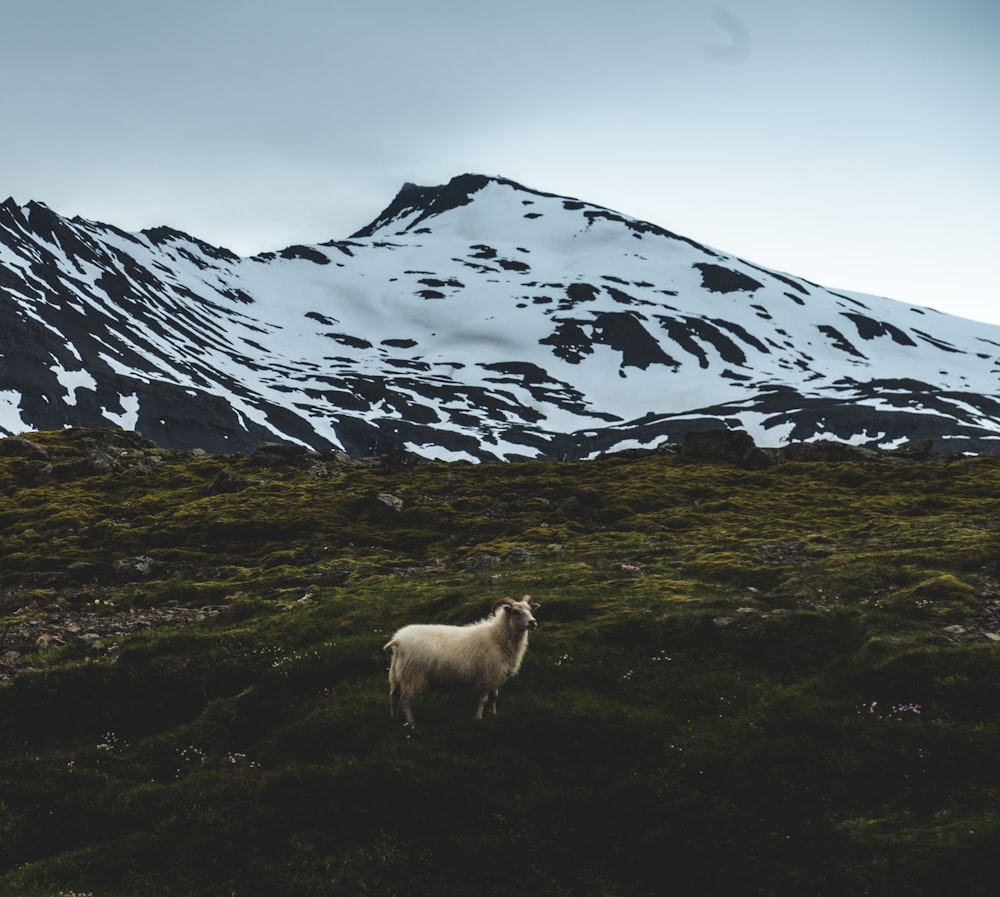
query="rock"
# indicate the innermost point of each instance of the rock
(283, 454)
(48, 640)
(108, 438)
(226, 481)
(520, 554)
(734, 446)
(17, 446)
(137, 568)
(827, 450)
(400, 459)
(387, 502)
(93, 641)
(915, 450)
(144, 467)
(483, 561)
(101, 462)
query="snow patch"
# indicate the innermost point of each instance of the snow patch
(128, 419)
(10, 414)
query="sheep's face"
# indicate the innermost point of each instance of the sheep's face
(519, 614)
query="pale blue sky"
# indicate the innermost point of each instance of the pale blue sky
(852, 142)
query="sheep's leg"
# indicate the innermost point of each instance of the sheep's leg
(394, 696)
(408, 710)
(488, 703)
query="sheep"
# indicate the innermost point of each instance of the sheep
(481, 656)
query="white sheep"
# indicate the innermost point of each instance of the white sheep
(480, 656)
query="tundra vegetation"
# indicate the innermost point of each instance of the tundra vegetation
(770, 682)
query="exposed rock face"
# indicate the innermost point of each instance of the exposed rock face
(475, 320)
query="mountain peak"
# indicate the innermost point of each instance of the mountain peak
(414, 203)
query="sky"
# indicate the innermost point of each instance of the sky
(854, 143)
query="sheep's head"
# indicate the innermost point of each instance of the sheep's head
(518, 613)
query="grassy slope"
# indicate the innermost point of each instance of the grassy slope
(721, 696)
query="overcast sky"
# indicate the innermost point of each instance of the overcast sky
(851, 142)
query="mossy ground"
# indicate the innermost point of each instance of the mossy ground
(743, 681)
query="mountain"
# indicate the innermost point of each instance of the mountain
(479, 319)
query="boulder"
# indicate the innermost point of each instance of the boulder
(734, 446)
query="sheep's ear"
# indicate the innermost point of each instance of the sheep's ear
(507, 609)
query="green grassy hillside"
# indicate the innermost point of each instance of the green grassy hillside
(758, 682)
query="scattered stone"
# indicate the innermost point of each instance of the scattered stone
(136, 568)
(97, 632)
(483, 562)
(48, 640)
(389, 503)
(520, 554)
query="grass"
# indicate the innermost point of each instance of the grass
(742, 680)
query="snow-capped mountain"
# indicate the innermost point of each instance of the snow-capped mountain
(477, 320)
